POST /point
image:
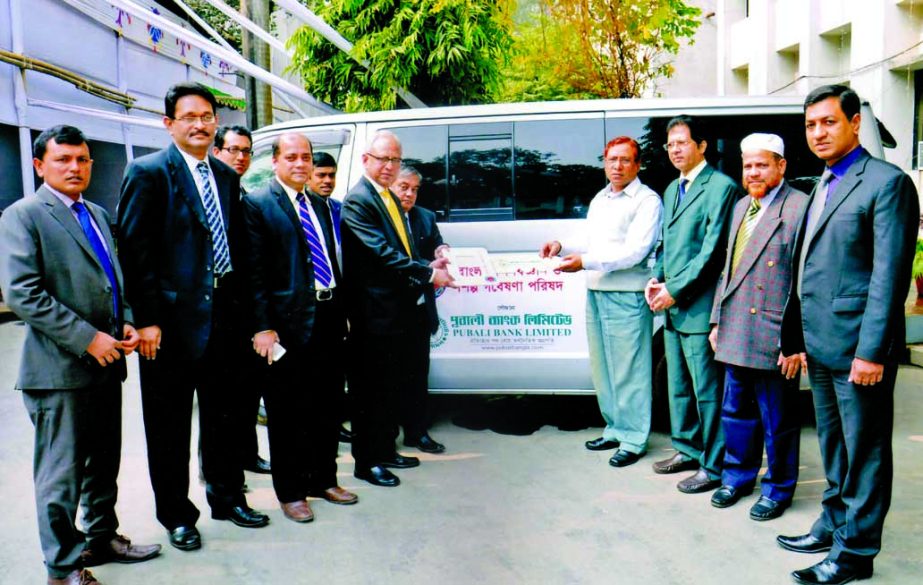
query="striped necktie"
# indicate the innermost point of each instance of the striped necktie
(744, 233)
(220, 252)
(396, 219)
(83, 216)
(322, 272)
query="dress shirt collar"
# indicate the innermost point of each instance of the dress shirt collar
(292, 194)
(64, 198)
(631, 189)
(691, 175)
(378, 188)
(841, 166)
(192, 161)
(768, 198)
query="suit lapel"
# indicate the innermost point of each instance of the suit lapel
(184, 184)
(759, 239)
(849, 182)
(698, 187)
(285, 204)
(389, 225)
(66, 218)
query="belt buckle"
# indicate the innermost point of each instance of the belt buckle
(216, 282)
(324, 294)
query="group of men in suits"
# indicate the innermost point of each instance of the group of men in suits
(805, 283)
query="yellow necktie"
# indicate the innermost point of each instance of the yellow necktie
(744, 233)
(396, 219)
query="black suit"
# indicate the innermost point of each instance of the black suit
(302, 387)
(384, 289)
(851, 305)
(414, 416)
(165, 246)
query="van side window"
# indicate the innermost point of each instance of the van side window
(480, 172)
(425, 148)
(558, 167)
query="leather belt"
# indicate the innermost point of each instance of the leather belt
(220, 281)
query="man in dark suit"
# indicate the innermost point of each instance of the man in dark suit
(846, 312)
(760, 403)
(295, 287)
(385, 283)
(414, 416)
(234, 147)
(697, 212)
(59, 274)
(322, 182)
(179, 222)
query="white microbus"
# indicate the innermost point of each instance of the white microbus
(509, 177)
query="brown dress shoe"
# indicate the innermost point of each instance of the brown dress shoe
(119, 550)
(297, 511)
(337, 495)
(82, 577)
(675, 464)
(697, 483)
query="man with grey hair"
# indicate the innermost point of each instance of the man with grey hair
(759, 403)
(413, 415)
(385, 280)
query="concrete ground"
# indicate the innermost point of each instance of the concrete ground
(502, 507)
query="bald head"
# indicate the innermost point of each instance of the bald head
(382, 158)
(292, 158)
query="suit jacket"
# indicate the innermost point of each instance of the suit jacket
(426, 238)
(383, 282)
(165, 247)
(857, 270)
(748, 305)
(52, 280)
(280, 271)
(694, 235)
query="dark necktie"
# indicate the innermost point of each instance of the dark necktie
(83, 216)
(322, 272)
(220, 252)
(335, 217)
(682, 192)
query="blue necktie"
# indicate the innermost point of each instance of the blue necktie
(322, 272)
(83, 216)
(682, 191)
(335, 216)
(220, 252)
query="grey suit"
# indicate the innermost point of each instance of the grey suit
(856, 277)
(52, 280)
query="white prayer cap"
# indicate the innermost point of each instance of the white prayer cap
(759, 141)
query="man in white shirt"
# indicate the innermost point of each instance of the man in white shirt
(620, 238)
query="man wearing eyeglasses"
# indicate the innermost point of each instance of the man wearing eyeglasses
(179, 225)
(697, 209)
(384, 279)
(234, 147)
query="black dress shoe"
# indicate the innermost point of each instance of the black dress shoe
(185, 538)
(728, 495)
(425, 443)
(623, 458)
(377, 475)
(259, 466)
(243, 516)
(828, 572)
(601, 444)
(697, 483)
(345, 435)
(398, 461)
(805, 543)
(766, 509)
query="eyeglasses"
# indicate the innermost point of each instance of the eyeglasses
(622, 159)
(235, 150)
(677, 144)
(386, 160)
(207, 119)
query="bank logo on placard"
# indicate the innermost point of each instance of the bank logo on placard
(439, 337)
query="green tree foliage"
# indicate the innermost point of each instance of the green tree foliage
(570, 49)
(226, 27)
(445, 52)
